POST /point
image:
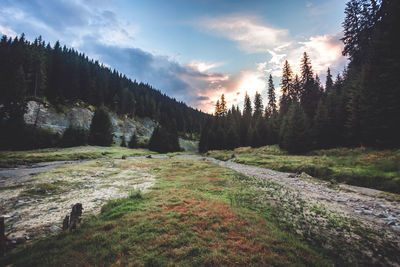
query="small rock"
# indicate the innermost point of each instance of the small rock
(55, 229)
(368, 212)
(396, 227)
(292, 175)
(333, 181)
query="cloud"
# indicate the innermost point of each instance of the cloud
(67, 21)
(7, 31)
(248, 32)
(324, 51)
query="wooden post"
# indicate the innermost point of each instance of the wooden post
(2, 237)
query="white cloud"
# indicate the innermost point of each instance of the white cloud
(7, 31)
(324, 51)
(251, 35)
(203, 66)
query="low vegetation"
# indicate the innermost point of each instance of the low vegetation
(199, 213)
(14, 158)
(379, 169)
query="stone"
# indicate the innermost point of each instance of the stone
(368, 212)
(333, 181)
(292, 175)
(55, 229)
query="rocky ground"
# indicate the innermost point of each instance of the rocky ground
(35, 199)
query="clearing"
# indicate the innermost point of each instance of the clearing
(193, 210)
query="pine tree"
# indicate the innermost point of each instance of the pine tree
(329, 81)
(123, 141)
(271, 108)
(321, 129)
(217, 111)
(247, 110)
(310, 92)
(101, 129)
(258, 106)
(286, 86)
(133, 142)
(295, 136)
(222, 106)
(164, 140)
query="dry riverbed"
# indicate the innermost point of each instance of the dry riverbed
(35, 199)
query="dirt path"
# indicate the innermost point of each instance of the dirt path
(363, 203)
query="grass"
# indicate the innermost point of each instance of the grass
(188, 219)
(379, 169)
(201, 214)
(14, 158)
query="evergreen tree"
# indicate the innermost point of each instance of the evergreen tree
(223, 108)
(164, 140)
(286, 87)
(258, 106)
(217, 111)
(295, 137)
(123, 141)
(101, 129)
(271, 108)
(321, 130)
(310, 92)
(329, 81)
(133, 142)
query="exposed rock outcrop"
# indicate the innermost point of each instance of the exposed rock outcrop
(45, 116)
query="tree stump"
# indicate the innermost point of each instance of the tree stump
(71, 222)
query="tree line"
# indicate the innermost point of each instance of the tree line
(64, 76)
(358, 107)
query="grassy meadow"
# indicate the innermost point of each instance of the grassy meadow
(379, 169)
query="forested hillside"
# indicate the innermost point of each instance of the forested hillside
(358, 107)
(64, 76)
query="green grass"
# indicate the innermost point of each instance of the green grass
(189, 218)
(379, 169)
(14, 158)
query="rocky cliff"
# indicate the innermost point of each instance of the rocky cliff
(45, 116)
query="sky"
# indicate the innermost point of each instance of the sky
(192, 50)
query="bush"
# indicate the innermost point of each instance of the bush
(74, 136)
(101, 130)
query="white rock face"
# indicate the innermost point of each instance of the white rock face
(48, 117)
